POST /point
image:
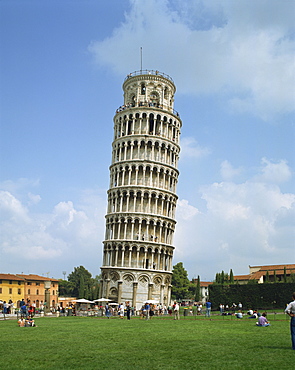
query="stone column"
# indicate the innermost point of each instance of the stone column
(130, 255)
(136, 175)
(135, 284)
(123, 257)
(169, 295)
(132, 148)
(101, 288)
(149, 204)
(125, 228)
(150, 291)
(107, 288)
(129, 175)
(120, 291)
(152, 262)
(116, 257)
(123, 177)
(162, 293)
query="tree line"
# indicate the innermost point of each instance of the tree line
(80, 284)
(184, 289)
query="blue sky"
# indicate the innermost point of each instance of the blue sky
(62, 68)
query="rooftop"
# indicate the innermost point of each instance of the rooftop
(10, 277)
(148, 72)
(36, 277)
(274, 267)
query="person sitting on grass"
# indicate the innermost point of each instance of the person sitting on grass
(31, 321)
(21, 322)
(262, 321)
(254, 315)
(239, 315)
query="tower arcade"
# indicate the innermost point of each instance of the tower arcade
(140, 220)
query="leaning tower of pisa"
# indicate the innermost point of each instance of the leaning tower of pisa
(140, 220)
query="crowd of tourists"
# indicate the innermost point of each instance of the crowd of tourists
(150, 309)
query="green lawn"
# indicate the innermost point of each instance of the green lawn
(160, 343)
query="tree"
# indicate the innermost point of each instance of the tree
(274, 276)
(82, 283)
(96, 287)
(65, 288)
(285, 275)
(180, 282)
(231, 277)
(222, 277)
(81, 288)
(217, 278)
(292, 277)
(267, 277)
(198, 290)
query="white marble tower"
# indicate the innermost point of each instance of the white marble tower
(140, 219)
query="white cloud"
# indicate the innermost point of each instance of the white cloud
(243, 224)
(11, 208)
(34, 198)
(191, 149)
(228, 172)
(186, 211)
(246, 223)
(274, 172)
(243, 50)
(68, 236)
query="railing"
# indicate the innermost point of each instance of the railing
(149, 105)
(148, 72)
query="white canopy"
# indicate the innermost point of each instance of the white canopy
(83, 300)
(152, 301)
(102, 300)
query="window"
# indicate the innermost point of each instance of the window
(29, 283)
(142, 89)
(0, 281)
(165, 93)
(37, 292)
(37, 283)
(53, 292)
(10, 281)
(53, 285)
(10, 290)
(19, 282)
(29, 291)
(0, 290)
(19, 291)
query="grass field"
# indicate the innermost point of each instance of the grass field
(160, 343)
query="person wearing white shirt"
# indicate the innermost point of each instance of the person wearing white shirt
(176, 310)
(290, 310)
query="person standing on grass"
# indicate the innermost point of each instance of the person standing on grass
(107, 311)
(176, 311)
(147, 311)
(290, 310)
(121, 311)
(128, 310)
(208, 308)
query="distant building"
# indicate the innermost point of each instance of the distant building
(12, 288)
(241, 279)
(35, 290)
(30, 287)
(259, 274)
(204, 289)
(66, 301)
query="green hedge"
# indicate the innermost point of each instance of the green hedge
(254, 296)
